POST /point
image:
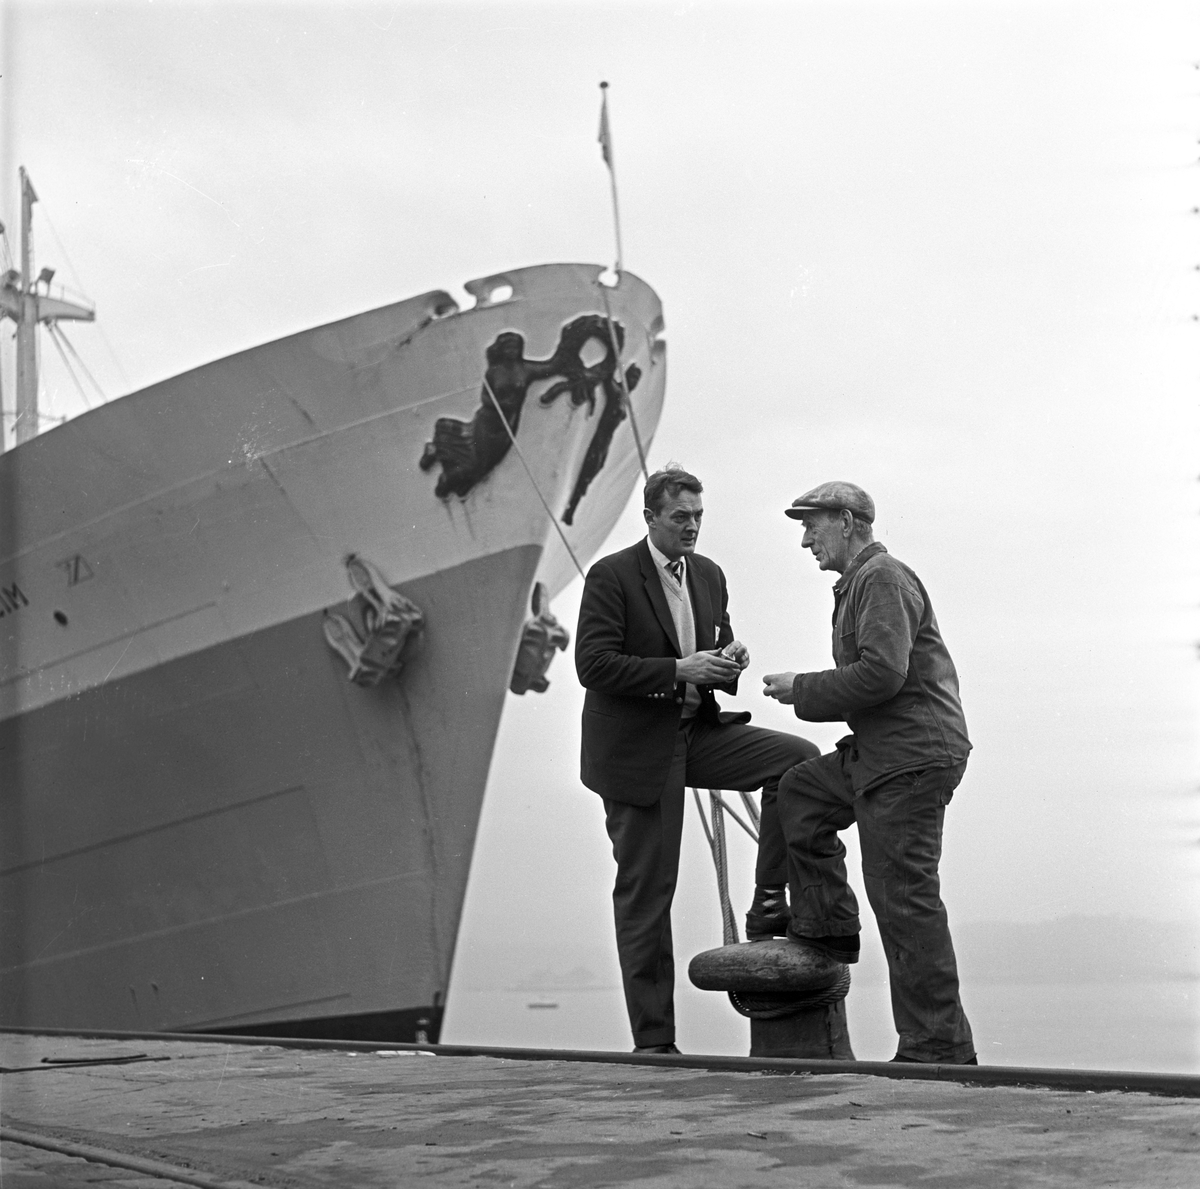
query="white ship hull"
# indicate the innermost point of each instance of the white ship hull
(203, 823)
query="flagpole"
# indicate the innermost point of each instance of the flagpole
(606, 149)
(605, 139)
(619, 371)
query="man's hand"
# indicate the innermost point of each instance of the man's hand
(779, 687)
(737, 651)
(707, 668)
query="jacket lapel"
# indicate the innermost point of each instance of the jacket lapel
(701, 608)
(658, 600)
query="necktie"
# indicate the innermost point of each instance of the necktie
(675, 569)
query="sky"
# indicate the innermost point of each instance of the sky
(948, 252)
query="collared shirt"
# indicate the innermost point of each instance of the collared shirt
(679, 601)
(895, 684)
(663, 561)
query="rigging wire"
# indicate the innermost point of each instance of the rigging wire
(513, 438)
(113, 355)
(40, 373)
(81, 292)
(83, 366)
(53, 331)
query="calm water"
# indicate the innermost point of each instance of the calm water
(1151, 1026)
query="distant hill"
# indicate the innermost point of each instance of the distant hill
(1071, 949)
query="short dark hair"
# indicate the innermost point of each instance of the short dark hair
(667, 484)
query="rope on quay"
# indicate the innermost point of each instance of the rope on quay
(1174, 1085)
(716, 843)
(94, 1155)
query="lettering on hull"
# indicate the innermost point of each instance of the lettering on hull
(12, 599)
(75, 568)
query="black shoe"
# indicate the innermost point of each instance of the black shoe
(840, 949)
(915, 1061)
(667, 1049)
(768, 915)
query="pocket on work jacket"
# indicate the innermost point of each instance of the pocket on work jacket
(847, 648)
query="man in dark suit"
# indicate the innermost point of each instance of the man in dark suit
(654, 641)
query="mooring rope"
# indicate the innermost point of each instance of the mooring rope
(752, 812)
(757, 1005)
(725, 807)
(139, 1164)
(512, 437)
(720, 855)
(774, 1005)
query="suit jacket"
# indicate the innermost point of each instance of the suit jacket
(625, 652)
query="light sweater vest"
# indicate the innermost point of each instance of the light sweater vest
(679, 603)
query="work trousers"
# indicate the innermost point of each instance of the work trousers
(645, 841)
(900, 833)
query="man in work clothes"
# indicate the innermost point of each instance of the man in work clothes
(896, 687)
(653, 643)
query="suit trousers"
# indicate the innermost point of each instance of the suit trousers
(646, 839)
(900, 834)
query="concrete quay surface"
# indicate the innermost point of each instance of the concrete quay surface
(221, 1115)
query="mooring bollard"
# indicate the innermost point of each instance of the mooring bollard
(794, 996)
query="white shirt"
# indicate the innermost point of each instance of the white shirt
(679, 601)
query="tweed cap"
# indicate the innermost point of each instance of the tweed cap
(833, 497)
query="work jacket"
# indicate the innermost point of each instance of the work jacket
(895, 684)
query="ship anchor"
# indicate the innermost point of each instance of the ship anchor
(376, 635)
(541, 638)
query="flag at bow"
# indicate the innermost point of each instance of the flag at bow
(605, 139)
(605, 136)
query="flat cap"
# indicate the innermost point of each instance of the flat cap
(833, 497)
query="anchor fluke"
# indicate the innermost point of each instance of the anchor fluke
(542, 636)
(376, 633)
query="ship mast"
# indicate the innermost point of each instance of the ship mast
(21, 300)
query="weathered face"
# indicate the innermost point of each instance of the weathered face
(673, 530)
(825, 535)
